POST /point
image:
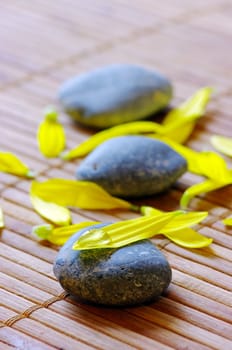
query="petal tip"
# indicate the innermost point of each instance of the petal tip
(50, 114)
(65, 155)
(31, 174)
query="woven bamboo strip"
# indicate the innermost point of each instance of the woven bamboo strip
(4, 346)
(14, 302)
(29, 245)
(203, 288)
(149, 329)
(18, 339)
(31, 277)
(80, 315)
(200, 271)
(25, 259)
(5, 314)
(206, 257)
(200, 302)
(184, 328)
(23, 289)
(199, 319)
(49, 336)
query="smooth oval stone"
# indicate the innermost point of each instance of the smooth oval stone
(132, 166)
(130, 275)
(115, 94)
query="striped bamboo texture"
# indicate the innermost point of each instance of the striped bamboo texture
(42, 44)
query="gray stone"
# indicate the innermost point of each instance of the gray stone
(130, 275)
(115, 94)
(132, 166)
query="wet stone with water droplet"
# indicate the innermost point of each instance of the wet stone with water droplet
(131, 275)
(115, 94)
(132, 166)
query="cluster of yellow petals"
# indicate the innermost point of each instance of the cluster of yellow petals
(52, 198)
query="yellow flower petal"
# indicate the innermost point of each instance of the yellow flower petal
(209, 164)
(184, 220)
(1, 219)
(181, 221)
(191, 109)
(11, 164)
(123, 233)
(50, 211)
(188, 238)
(147, 210)
(227, 221)
(203, 187)
(180, 122)
(222, 144)
(50, 135)
(60, 235)
(178, 230)
(81, 194)
(125, 129)
(181, 133)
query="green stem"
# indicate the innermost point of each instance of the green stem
(51, 114)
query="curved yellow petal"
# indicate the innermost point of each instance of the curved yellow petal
(9, 163)
(227, 221)
(124, 232)
(180, 122)
(202, 187)
(181, 133)
(191, 109)
(81, 194)
(51, 135)
(51, 211)
(60, 235)
(184, 219)
(222, 144)
(209, 164)
(178, 229)
(188, 238)
(147, 210)
(125, 129)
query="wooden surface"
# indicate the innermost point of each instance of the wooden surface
(42, 44)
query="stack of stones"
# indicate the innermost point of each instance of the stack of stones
(128, 166)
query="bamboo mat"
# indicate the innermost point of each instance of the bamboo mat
(42, 44)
